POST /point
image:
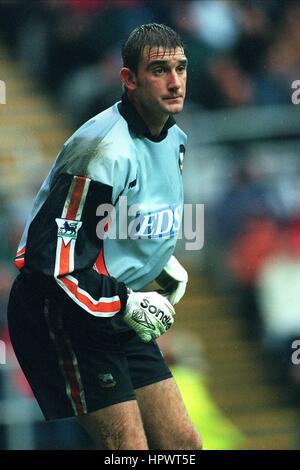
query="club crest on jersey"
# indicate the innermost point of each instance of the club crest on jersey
(181, 156)
(68, 229)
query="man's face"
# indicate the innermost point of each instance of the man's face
(161, 81)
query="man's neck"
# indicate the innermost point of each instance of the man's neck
(155, 124)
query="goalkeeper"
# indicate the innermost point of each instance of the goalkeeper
(82, 330)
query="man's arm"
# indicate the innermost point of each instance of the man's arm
(63, 245)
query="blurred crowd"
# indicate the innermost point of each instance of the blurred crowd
(258, 222)
(241, 52)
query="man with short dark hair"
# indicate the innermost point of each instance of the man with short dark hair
(83, 331)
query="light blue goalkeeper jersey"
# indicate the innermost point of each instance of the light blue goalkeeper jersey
(119, 198)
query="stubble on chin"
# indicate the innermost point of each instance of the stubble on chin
(174, 109)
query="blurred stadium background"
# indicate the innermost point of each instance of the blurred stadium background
(59, 60)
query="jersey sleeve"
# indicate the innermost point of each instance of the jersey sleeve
(63, 245)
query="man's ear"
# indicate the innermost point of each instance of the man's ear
(128, 78)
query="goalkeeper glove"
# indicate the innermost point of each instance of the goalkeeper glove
(173, 279)
(149, 314)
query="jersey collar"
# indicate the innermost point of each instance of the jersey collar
(137, 124)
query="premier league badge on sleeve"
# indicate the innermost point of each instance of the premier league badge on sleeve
(181, 156)
(68, 229)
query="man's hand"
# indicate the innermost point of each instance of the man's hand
(149, 314)
(173, 279)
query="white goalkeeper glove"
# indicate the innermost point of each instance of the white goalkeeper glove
(173, 279)
(149, 314)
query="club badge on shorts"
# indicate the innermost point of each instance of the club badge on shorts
(107, 380)
(68, 229)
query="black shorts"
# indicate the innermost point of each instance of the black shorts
(74, 362)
